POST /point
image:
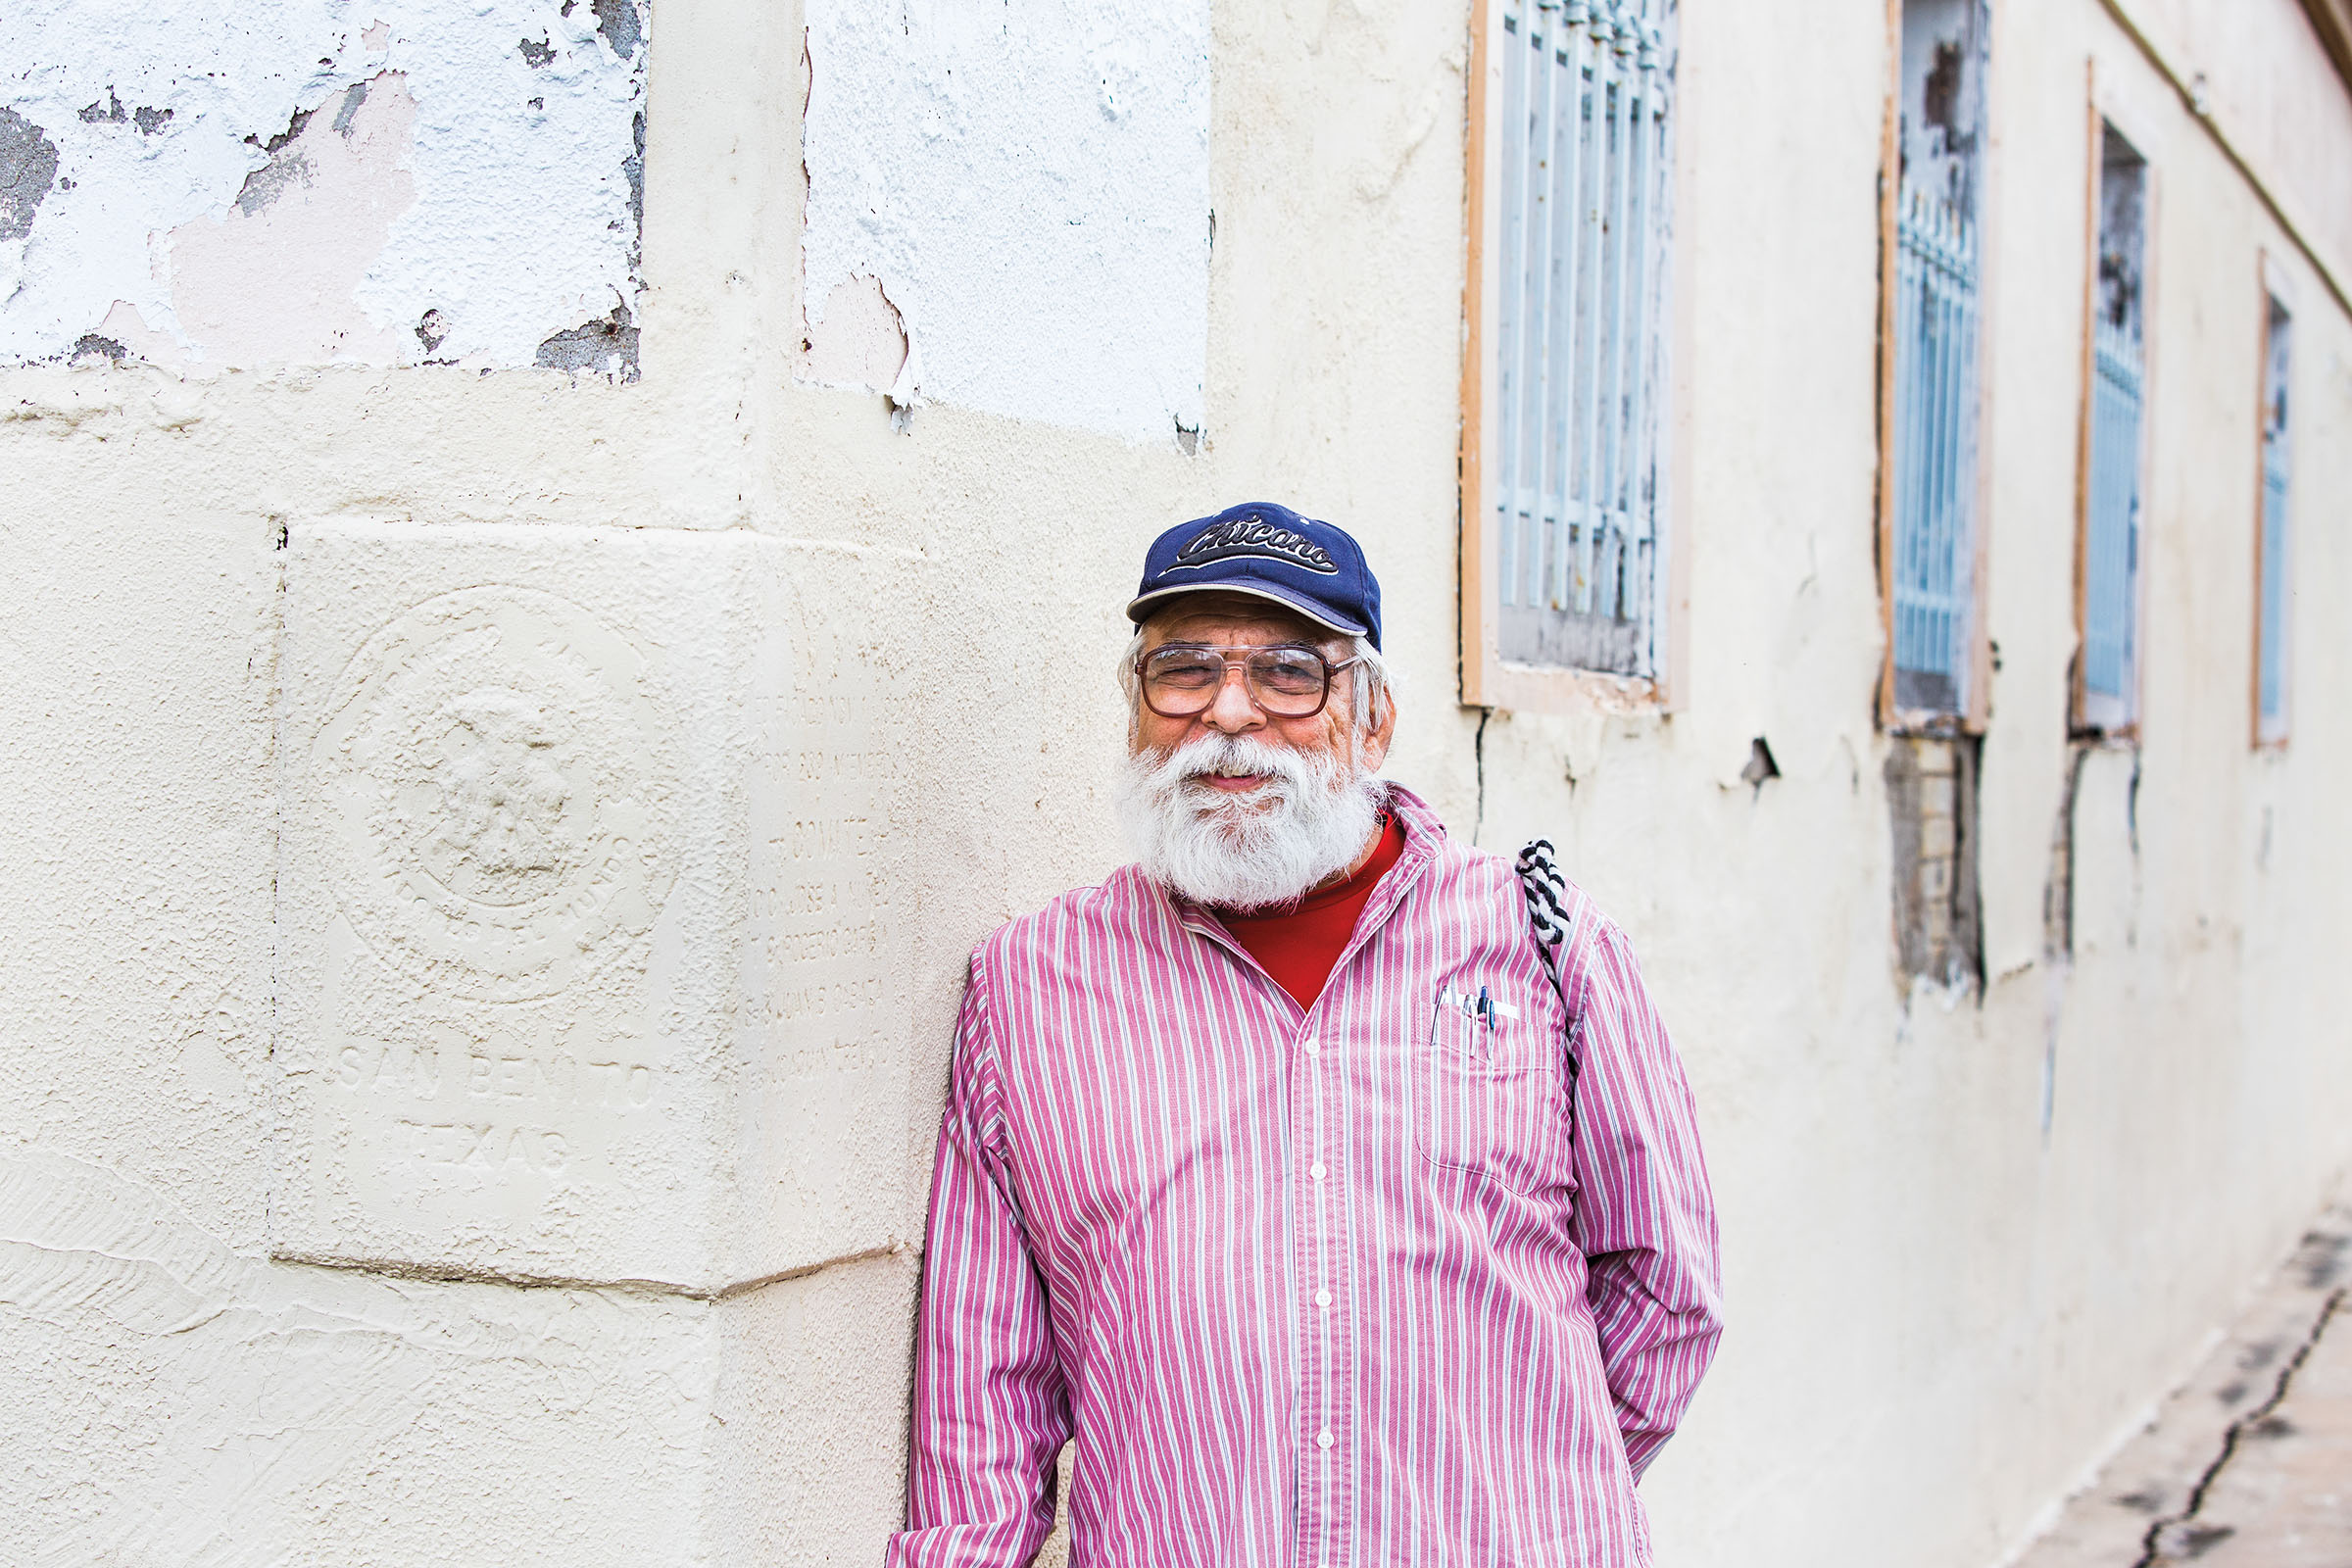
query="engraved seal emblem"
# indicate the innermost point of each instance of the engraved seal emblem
(501, 794)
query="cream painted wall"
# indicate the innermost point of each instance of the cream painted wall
(248, 1320)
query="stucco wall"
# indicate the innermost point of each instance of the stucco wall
(810, 687)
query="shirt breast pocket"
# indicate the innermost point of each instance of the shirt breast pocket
(1492, 1104)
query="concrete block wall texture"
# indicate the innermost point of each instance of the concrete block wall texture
(626, 766)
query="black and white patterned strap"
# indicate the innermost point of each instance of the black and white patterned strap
(1550, 917)
(1547, 892)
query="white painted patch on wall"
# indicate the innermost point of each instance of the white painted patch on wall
(1028, 183)
(312, 182)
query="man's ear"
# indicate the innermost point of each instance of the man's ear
(1376, 739)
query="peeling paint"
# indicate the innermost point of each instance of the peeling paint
(268, 182)
(860, 341)
(90, 344)
(606, 347)
(112, 113)
(511, 205)
(27, 169)
(633, 168)
(125, 324)
(621, 22)
(352, 97)
(1028, 183)
(320, 211)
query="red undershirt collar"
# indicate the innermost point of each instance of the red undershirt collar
(1299, 945)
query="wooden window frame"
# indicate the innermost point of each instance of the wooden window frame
(1487, 679)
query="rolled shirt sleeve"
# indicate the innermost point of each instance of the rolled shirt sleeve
(1645, 1214)
(991, 1412)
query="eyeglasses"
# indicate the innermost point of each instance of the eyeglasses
(1183, 679)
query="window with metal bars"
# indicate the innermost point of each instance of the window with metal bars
(1577, 331)
(2271, 596)
(2107, 681)
(1932, 478)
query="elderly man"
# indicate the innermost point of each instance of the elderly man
(1338, 1217)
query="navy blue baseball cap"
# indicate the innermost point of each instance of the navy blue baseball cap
(1269, 550)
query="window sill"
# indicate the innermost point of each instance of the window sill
(1537, 689)
(1930, 724)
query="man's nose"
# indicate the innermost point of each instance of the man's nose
(1234, 710)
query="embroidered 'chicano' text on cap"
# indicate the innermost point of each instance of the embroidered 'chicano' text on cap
(1270, 551)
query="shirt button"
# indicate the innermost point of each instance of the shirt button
(1317, 1171)
(1322, 1298)
(1313, 1046)
(1324, 1439)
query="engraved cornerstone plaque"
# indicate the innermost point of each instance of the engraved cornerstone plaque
(503, 793)
(579, 899)
(512, 772)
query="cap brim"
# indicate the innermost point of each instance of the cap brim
(1139, 607)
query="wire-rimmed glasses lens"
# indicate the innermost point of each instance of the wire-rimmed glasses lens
(1182, 679)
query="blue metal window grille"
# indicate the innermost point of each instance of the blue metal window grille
(1935, 459)
(2111, 554)
(2110, 585)
(1579, 330)
(2271, 665)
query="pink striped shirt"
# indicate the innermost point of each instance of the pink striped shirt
(1310, 1290)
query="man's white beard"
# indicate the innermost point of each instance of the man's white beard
(1310, 819)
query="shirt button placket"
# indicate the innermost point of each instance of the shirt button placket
(1320, 1265)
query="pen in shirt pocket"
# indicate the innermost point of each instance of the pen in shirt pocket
(1483, 1008)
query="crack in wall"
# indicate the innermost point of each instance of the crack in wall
(388, 1268)
(2176, 1536)
(1478, 747)
(2058, 891)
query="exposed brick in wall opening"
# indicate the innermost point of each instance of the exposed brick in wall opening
(1932, 807)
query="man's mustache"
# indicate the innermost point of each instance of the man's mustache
(1233, 754)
